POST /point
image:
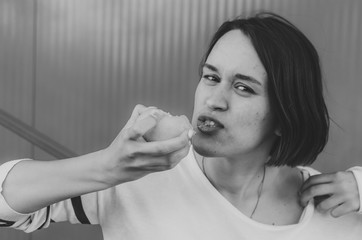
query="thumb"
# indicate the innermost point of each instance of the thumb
(304, 198)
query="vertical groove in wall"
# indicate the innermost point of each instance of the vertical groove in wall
(34, 66)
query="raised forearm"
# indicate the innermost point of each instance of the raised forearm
(32, 185)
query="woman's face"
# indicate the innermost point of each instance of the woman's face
(232, 116)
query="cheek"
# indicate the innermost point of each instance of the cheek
(250, 120)
(255, 119)
(264, 122)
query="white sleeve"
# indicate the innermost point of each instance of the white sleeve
(82, 209)
(357, 172)
(6, 212)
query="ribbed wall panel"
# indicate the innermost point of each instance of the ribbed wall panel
(16, 81)
(75, 69)
(97, 59)
(16, 61)
(94, 60)
(16, 73)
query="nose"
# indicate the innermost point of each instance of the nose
(218, 100)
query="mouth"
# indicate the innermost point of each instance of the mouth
(208, 125)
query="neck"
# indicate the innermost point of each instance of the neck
(233, 176)
(274, 201)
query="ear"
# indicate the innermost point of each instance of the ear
(278, 132)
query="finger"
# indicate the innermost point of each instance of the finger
(164, 147)
(341, 210)
(145, 166)
(137, 110)
(140, 127)
(177, 156)
(166, 161)
(155, 168)
(329, 203)
(313, 191)
(317, 179)
(153, 112)
(144, 123)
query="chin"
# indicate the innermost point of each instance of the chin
(203, 148)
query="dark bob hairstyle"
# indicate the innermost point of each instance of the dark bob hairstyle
(294, 85)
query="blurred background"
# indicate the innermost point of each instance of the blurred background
(71, 72)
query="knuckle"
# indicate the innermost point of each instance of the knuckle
(339, 175)
(131, 156)
(129, 132)
(130, 152)
(163, 166)
(136, 129)
(158, 150)
(344, 188)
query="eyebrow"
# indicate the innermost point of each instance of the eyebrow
(238, 75)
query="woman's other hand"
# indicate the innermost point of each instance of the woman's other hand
(337, 192)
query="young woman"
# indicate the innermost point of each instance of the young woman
(259, 114)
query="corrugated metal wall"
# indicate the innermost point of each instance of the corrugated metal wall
(75, 69)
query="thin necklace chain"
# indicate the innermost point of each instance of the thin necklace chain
(260, 188)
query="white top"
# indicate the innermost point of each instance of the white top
(178, 204)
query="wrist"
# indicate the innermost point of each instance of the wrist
(101, 169)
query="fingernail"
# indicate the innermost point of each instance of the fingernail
(191, 133)
(157, 115)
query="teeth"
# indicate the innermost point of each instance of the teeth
(210, 123)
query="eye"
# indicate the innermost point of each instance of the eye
(243, 88)
(211, 78)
